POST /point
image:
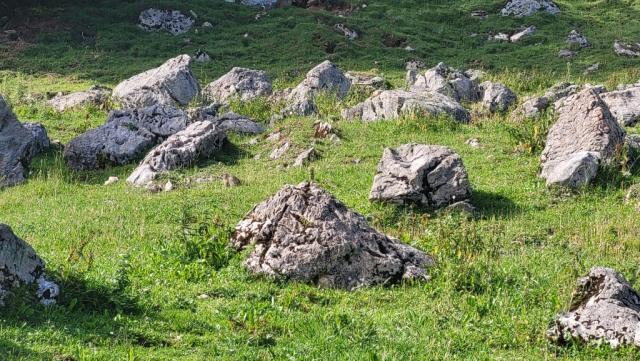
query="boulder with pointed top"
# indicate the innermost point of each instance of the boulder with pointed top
(324, 78)
(442, 79)
(241, 83)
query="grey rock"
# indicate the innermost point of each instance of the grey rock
(522, 34)
(604, 309)
(229, 121)
(367, 80)
(447, 81)
(171, 21)
(16, 148)
(624, 105)
(230, 181)
(576, 39)
(171, 83)
(41, 140)
(575, 171)
(522, 8)
(125, 137)
(96, 95)
(626, 49)
(111, 180)
(429, 175)
(344, 30)
(413, 69)
(592, 69)
(531, 107)
(324, 78)
(202, 56)
(279, 151)
(500, 37)
(241, 83)
(497, 97)
(392, 104)
(302, 233)
(566, 53)
(305, 157)
(198, 141)
(585, 124)
(259, 3)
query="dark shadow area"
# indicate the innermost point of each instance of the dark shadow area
(494, 205)
(228, 155)
(10, 349)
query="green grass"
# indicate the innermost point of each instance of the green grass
(133, 270)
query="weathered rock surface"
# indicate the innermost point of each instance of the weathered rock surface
(198, 141)
(534, 106)
(604, 309)
(229, 121)
(497, 97)
(447, 81)
(16, 147)
(392, 104)
(366, 80)
(346, 31)
(576, 39)
(429, 175)
(170, 83)
(413, 69)
(171, 21)
(574, 171)
(244, 84)
(97, 96)
(521, 8)
(585, 125)
(278, 152)
(627, 49)
(522, 34)
(41, 140)
(21, 265)
(624, 105)
(325, 77)
(125, 137)
(304, 234)
(305, 157)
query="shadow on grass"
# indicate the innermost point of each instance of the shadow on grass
(12, 350)
(494, 205)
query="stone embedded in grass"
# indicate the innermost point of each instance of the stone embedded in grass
(278, 152)
(170, 83)
(198, 141)
(442, 79)
(303, 233)
(574, 171)
(576, 39)
(367, 80)
(624, 105)
(393, 104)
(96, 95)
(16, 147)
(522, 34)
(171, 21)
(306, 157)
(626, 49)
(522, 8)
(229, 121)
(428, 175)
(604, 309)
(566, 53)
(125, 137)
(344, 30)
(21, 265)
(534, 106)
(497, 97)
(585, 125)
(201, 56)
(324, 78)
(241, 83)
(41, 140)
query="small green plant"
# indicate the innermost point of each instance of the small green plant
(531, 134)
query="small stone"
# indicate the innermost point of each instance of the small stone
(577, 39)
(479, 14)
(566, 53)
(322, 129)
(202, 57)
(111, 180)
(168, 187)
(348, 33)
(305, 157)
(171, 21)
(473, 142)
(207, 24)
(280, 151)
(230, 181)
(521, 34)
(626, 49)
(592, 69)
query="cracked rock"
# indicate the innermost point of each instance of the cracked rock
(229, 121)
(429, 175)
(303, 233)
(576, 39)
(241, 83)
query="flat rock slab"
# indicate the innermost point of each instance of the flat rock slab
(171, 21)
(624, 105)
(522, 8)
(428, 175)
(198, 141)
(16, 148)
(239, 83)
(324, 78)
(445, 80)
(303, 233)
(393, 104)
(171, 83)
(96, 96)
(125, 137)
(604, 309)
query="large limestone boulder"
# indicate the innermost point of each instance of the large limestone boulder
(16, 147)
(241, 83)
(604, 309)
(392, 104)
(199, 140)
(428, 175)
(325, 77)
(171, 21)
(497, 97)
(585, 125)
(125, 137)
(521, 8)
(442, 79)
(97, 96)
(624, 105)
(171, 83)
(303, 233)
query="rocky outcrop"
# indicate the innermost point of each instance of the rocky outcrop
(171, 83)
(96, 96)
(604, 309)
(392, 104)
(624, 105)
(41, 140)
(497, 97)
(171, 21)
(442, 79)
(302, 233)
(522, 8)
(125, 137)
(428, 175)
(585, 124)
(16, 148)
(229, 121)
(243, 84)
(198, 141)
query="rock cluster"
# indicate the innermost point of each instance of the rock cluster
(303, 233)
